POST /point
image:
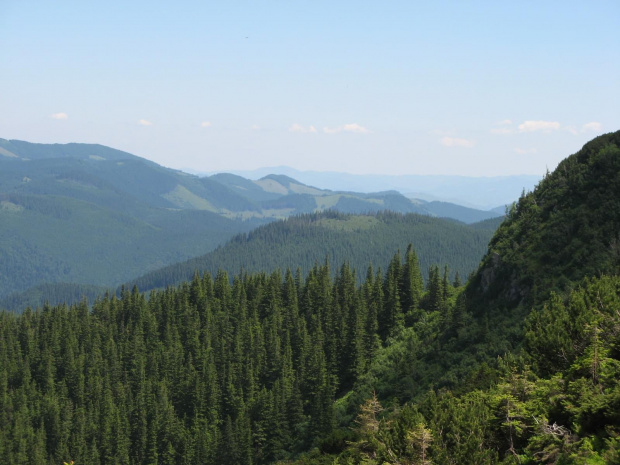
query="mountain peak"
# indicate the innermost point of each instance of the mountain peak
(567, 228)
(282, 179)
(34, 151)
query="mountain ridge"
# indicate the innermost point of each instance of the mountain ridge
(147, 216)
(111, 172)
(290, 369)
(567, 228)
(472, 192)
(331, 235)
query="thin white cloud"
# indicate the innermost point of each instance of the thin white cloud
(593, 126)
(255, 127)
(143, 122)
(354, 127)
(525, 151)
(502, 131)
(351, 127)
(457, 142)
(59, 116)
(205, 124)
(546, 126)
(299, 128)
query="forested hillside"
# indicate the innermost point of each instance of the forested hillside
(91, 215)
(66, 293)
(568, 228)
(519, 366)
(50, 239)
(78, 215)
(525, 367)
(361, 240)
(206, 373)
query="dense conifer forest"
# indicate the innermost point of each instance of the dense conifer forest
(300, 242)
(210, 372)
(362, 240)
(337, 365)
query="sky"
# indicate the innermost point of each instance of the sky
(475, 88)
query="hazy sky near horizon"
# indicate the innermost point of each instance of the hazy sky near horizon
(475, 88)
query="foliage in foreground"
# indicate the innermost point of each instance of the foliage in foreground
(558, 403)
(248, 373)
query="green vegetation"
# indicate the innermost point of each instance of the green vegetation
(336, 366)
(86, 214)
(566, 229)
(210, 372)
(52, 239)
(69, 293)
(557, 402)
(512, 370)
(458, 212)
(301, 242)
(91, 215)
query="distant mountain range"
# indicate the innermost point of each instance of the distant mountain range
(118, 180)
(482, 193)
(282, 196)
(90, 215)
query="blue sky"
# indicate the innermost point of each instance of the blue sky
(474, 88)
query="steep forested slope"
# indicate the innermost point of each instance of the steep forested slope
(566, 229)
(527, 359)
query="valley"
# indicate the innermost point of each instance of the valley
(237, 356)
(309, 233)
(79, 219)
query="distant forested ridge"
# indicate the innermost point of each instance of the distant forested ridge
(86, 214)
(48, 239)
(361, 240)
(486, 192)
(67, 293)
(78, 215)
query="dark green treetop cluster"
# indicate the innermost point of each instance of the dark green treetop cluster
(210, 372)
